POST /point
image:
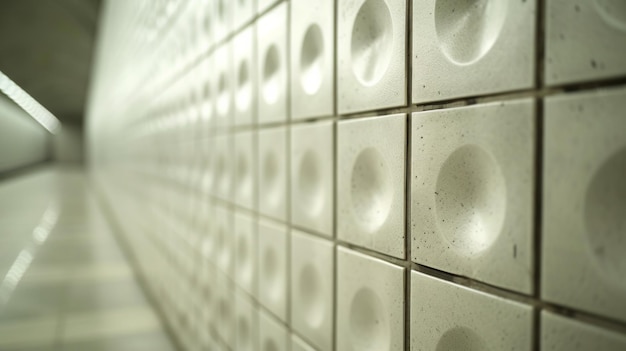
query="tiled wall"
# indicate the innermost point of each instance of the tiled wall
(370, 174)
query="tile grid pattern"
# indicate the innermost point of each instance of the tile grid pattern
(125, 188)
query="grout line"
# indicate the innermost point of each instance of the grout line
(408, 157)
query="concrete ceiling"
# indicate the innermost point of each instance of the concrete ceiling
(46, 48)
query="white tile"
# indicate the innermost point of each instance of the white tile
(225, 235)
(371, 55)
(370, 303)
(245, 169)
(583, 202)
(273, 335)
(312, 49)
(371, 183)
(272, 172)
(585, 40)
(223, 86)
(272, 67)
(243, 12)
(445, 316)
(312, 172)
(208, 165)
(472, 191)
(223, 167)
(246, 252)
(225, 304)
(244, 76)
(247, 328)
(559, 333)
(222, 19)
(272, 263)
(312, 288)
(457, 45)
(204, 23)
(263, 5)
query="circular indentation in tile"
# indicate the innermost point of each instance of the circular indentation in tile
(312, 60)
(309, 184)
(244, 178)
(612, 12)
(271, 75)
(371, 189)
(270, 345)
(371, 42)
(244, 86)
(271, 272)
(243, 334)
(244, 262)
(461, 338)
(605, 216)
(470, 199)
(467, 29)
(223, 95)
(309, 282)
(221, 10)
(270, 178)
(369, 329)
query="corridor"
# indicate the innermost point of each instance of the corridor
(66, 283)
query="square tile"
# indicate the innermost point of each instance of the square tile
(247, 328)
(371, 183)
(560, 333)
(222, 19)
(245, 168)
(312, 172)
(244, 65)
(472, 191)
(585, 40)
(225, 235)
(445, 316)
(272, 263)
(272, 334)
(223, 167)
(584, 201)
(272, 172)
(370, 303)
(223, 86)
(371, 55)
(206, 96)
(457, 44)
(245, 252)
(312, 283)
(244, 11)
(272, 69)
(312, 58)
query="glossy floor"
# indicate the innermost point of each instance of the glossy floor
(66, 285)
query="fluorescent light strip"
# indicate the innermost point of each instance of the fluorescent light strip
(28, 104)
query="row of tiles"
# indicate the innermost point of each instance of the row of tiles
(366, 311)
(472, 187)
(371, 57)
